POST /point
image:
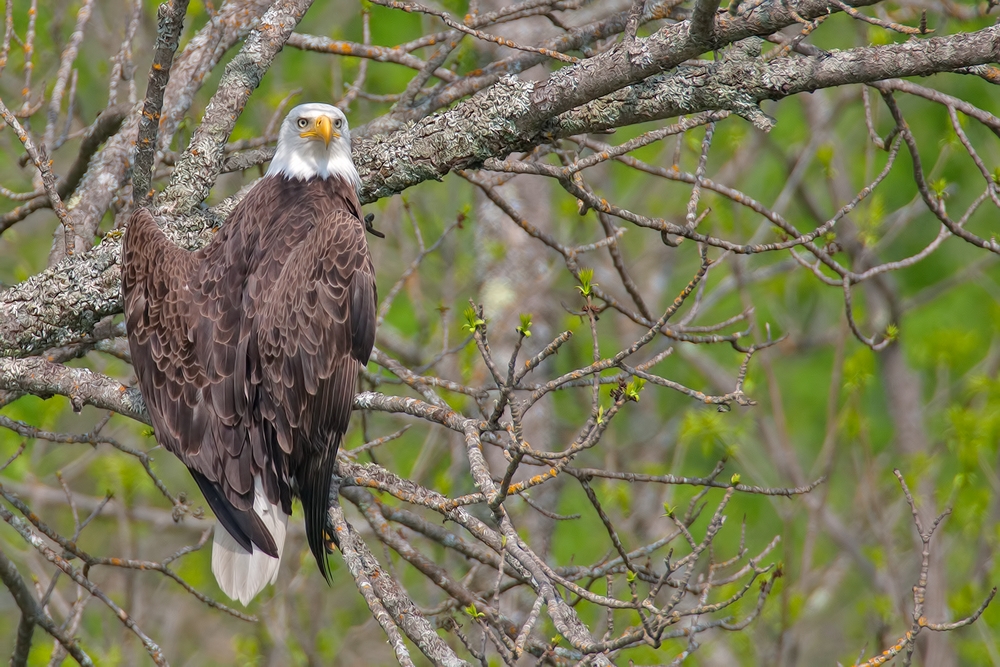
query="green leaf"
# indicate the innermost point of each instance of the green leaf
(735, 479)
(940, 188)
(472, 320)
(633, 389)
(525, 328)
(586, 282)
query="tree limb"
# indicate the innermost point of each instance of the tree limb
(171, 24)
(32, 614)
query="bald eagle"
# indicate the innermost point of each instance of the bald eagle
(247, 351)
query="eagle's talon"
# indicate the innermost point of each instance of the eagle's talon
(370, 228)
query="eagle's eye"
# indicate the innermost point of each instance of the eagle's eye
(303, 123)
(337, 123)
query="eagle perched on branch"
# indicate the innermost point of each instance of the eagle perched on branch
(248, 350)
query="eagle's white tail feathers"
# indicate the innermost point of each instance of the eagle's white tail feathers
(241, 574)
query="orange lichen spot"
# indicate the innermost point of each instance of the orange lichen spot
(157, 66)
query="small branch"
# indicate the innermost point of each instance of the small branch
(888, 25)
(388, 602)
(478, 34)
(104, 127)
(50, 555)
(33, 614)
(49, 139)
(168, 35)
(41, 160)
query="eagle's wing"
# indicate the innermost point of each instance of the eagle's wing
(313, 329)
(183, 333)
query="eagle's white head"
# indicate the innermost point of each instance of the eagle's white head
(314, 141)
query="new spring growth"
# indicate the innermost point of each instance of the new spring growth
(586, 286)
(633, 388)
(525, 328)
(472, 320)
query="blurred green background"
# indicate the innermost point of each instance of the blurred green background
(825, 400)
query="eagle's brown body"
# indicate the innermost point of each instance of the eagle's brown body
(248, 350)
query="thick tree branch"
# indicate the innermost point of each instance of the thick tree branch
(82, 386)
(227, 26)
(703, 22)
(740, 81)
(62, 305)
(201, 163)
(670, 46)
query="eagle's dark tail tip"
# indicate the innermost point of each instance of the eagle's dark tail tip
(314, 481)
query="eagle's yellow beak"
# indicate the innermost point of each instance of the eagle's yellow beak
(322, 129)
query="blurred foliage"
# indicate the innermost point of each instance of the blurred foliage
(948, 334)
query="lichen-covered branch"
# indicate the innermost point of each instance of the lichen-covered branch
(494, 124)
(201, 163)
(171, 23)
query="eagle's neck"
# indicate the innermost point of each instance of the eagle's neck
(304, 165)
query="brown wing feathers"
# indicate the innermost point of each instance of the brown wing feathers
(248, 351)
(309, 361)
